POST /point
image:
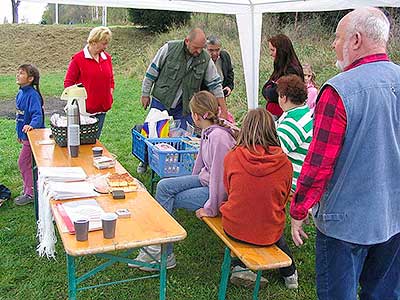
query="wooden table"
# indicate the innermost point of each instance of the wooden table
(149, 223)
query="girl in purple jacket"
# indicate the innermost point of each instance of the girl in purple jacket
(203, 191)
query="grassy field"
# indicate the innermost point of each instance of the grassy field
(24, 275)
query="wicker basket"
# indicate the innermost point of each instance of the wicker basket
(88, 134)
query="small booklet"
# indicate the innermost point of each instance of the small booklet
(74, 210)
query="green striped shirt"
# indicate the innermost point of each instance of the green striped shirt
(295, 133)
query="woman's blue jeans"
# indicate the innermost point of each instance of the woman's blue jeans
(181, 192)
(341, 266)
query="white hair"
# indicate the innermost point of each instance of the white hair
(372, 22)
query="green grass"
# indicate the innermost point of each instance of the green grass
(24, 275)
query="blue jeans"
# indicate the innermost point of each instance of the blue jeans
(176, 112)
(340, 266)
(181, 192)
(101, 117)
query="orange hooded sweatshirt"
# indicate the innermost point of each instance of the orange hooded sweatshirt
(258, 186)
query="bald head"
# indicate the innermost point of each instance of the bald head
(196, 33)
(362, 32)
(195, 41)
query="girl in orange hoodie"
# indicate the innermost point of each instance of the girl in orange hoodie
(257, 179)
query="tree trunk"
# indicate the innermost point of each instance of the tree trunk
(15, 4)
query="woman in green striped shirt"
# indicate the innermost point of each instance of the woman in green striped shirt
(294, 127)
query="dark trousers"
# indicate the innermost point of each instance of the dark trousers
(281, 244)
(101, 117)
(341, 266)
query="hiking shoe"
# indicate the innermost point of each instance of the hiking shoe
(291, 281)
(23, 200)
(244, 277)
(141, 168)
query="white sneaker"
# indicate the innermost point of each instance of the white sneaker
(155, 257)
(292, 281)
(244, 277)
(141, 168)
(144, 256)
(171, 263)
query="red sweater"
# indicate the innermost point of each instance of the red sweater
(258, 186)
(96, 77)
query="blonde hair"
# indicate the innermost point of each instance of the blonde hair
(205, 105)
(99, 34)
(258, 128)
(307, 67)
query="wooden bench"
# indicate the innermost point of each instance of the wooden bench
(255, 258)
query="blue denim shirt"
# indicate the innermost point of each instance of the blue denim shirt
(362, 202)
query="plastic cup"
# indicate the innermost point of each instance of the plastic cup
(97, 151)
(81, 229)
(109, 222)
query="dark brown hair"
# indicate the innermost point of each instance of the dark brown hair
(286, 61)
(258, 128)
(32, 71)
(293, 87)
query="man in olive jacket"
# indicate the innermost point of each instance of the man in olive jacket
(178, 70)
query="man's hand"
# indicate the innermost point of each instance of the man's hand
(145, 101)
(297, 231)
(228, 91)
(27, 128)
(201, 213)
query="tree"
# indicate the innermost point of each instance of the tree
(158, 20)
(14, 5)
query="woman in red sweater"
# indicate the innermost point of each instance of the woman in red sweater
(92, 67)
(257, 178)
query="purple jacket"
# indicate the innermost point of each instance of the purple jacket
(215, 143)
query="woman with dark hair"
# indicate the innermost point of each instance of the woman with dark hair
(285, 63)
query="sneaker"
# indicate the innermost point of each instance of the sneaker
(155, 251)
(244, 277)
(143, 255)
(141, 168)
(291, 281)
(23, 200)
(171, 263)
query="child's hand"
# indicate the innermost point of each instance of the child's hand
(201, 213)
(27, 128)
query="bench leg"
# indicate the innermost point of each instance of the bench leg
(225, 271)
(257, 286)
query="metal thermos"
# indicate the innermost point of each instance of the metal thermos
(73, 130)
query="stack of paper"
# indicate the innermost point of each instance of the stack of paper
(71, 190)
(62, 173)
(82, 209)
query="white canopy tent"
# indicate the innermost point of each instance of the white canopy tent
(249, 20)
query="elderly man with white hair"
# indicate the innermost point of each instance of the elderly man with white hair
(350, 175)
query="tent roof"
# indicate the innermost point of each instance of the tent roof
(234, 6)
(249, 21)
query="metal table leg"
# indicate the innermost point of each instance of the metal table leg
(71, 277)
(163, 272)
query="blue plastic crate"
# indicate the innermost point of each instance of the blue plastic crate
(171, 163)
(139, 147)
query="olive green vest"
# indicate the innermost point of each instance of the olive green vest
(174, 72)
